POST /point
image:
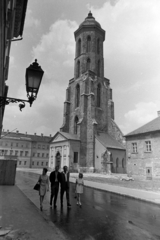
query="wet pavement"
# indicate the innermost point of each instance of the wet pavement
(103, 215)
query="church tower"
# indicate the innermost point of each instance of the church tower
(88, 108)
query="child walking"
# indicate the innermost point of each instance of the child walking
(79, 188)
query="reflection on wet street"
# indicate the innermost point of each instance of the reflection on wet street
(103, 215)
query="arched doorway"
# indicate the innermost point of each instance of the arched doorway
(58, 159)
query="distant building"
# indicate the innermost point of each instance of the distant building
(89, 137)
(143, 150)
(30, 151)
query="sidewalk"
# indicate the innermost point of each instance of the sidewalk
(144, 195)
(22, 220)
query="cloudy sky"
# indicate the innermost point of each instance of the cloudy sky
(131, 57)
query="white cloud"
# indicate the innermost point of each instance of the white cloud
(30, 20)
(143, 113)
(56, 50)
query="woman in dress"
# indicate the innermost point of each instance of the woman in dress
(79, 188)
(44, 186)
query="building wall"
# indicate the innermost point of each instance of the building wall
(115, 154)
(25, 149)
(138, 163)
(66, 150)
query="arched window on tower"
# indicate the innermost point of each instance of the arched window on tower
(99, 95)
(98, 46)
(75, 125)
(77, 95)
(78, 68)
(79, 47)
(98, 68)
(88, 44)
(88, 64)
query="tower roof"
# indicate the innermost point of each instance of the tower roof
(90, 20)
(91, 23)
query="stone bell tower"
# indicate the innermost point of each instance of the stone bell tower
(88, 108)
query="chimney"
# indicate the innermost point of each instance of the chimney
(17, 131)
(158, 112)
(42, 134)
(8, 131)
(26, 133)
(50, 135)
(35, 134)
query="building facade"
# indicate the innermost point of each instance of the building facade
(88, 119)
(143, 150)
(30, 151)
(12, 18)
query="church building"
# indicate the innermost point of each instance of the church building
(89, 138)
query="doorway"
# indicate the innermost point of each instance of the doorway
(58, 160)
(148, 173)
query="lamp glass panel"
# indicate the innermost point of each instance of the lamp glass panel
(34, 79)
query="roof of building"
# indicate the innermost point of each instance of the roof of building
(66, 135)
(26, 136)
(109, 141)
(90, 20)
(20, 14)
(151, 126)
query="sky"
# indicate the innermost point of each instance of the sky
(131, 61)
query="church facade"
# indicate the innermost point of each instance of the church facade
(89, 138)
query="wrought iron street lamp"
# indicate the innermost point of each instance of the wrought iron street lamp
(34, 74)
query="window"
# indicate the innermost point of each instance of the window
(16, 144)
(43, 147)
(21, 153)
(46, 163)
(37, 163)
(134, 147)
(78, 68)
(123, 163)
(38, 154)
(19, 162)
(5, 152)
(24, 162)
(75, 160)
(42, 154)
(33, 154)
(26, 153)
(6, 144)
(11, 144)
(39, 146)
(34, 145)
(11, 152)
(79, 47)
(98, 46)
(99, 95)
(148, 146)
(75, 125)
(21, 146)
(88, 44)
(98, 68)
(47, 155)
(88, 64)
(16, 153)
(117, 162)
(33, 163)
(77, 95)
(41, 163)
(47, 146)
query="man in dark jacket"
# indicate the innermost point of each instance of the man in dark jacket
(65, 185)
(54, 178)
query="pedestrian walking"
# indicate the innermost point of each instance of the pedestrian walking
(79, 188)
(44, 186)
(54, 178)
(65, 185)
